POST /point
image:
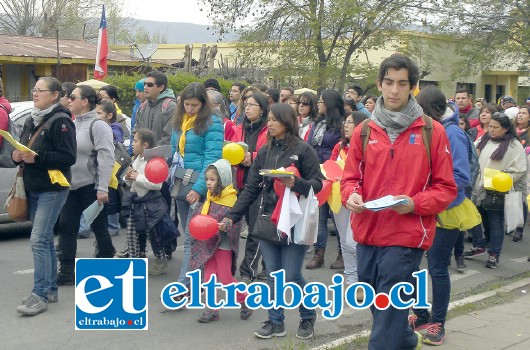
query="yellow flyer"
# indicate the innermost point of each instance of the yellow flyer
(7, 136)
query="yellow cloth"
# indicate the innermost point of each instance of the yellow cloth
(187, 124)
(227, 198)
(528, 200)
(118, 109)
(57, 177)
(463, 217)
(334, 199)
(113, 178)
(489, 174)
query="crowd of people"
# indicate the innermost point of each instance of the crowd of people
(429, 152)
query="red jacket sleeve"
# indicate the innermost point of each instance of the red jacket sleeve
(336, 151)
(3, 122)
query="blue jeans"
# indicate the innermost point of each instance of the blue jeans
(323, 215)
(382, 268)
(44, 209)
(290, 258)
(493, 222)
(438, 258)
(184, 212)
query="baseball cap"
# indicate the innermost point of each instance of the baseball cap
(508, 99)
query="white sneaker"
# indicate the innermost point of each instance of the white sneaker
(34, 305)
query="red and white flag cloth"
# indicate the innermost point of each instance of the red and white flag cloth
(100, 70)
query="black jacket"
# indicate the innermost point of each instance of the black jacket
(300, 155)
(147, 211)
(56, 148)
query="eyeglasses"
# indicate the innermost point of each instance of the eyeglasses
(304, 104)
(73, 97)
(250, 105)
(149, 84)
(319, 102)
(38, 91)
(347, 122)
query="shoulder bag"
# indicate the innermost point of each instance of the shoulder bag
(16, 204)
(264, 228)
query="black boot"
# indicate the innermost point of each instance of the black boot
(66, 275)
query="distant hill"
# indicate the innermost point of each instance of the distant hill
(184, 33)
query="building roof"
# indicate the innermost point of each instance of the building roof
(22, 48)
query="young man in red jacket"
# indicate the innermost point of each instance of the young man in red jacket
(395, 162)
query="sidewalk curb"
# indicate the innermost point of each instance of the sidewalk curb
(471, 299)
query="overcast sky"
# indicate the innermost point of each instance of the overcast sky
(166, 11)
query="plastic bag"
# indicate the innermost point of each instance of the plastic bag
(306, 230)
(513, 211)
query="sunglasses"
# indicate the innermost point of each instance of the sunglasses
(304, 104)
(73, 97)
(149, 84)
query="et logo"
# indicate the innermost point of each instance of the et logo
(111, 294)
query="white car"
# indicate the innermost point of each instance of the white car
(19, 113)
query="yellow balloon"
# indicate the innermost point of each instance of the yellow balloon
(234, 153)
(502, 182)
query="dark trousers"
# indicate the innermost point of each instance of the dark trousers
(77, 201)
(438, 259)
(459, 244)
(249, 265)
(382, 268)
(493, 222)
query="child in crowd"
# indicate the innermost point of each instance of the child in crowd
(218, 254)
(146, 208)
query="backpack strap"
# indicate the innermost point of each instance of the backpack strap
(46, 125)
(426, 133)
(365, 134)
(91, 132)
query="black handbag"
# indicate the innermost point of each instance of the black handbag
(493, 201)
(264, 228)
(184, 181)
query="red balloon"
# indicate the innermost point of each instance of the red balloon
(156, 170)
(203, 227)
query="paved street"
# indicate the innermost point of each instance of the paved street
(54, 329)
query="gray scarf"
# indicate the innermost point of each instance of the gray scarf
(318, 134)
(394, 123)
(39, 114)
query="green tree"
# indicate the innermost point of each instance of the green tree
(304, 36)
(490, 33)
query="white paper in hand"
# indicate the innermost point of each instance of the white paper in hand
(92, 212)
(383, 203)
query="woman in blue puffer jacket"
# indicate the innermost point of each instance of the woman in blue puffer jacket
(197, 141)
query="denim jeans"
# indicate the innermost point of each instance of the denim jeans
(77, 201)
(493, 222)
(184, 212)
(382, 268)
(290, 258)
(459, 245)
(438, 258)
(324, 214)
(44, 209)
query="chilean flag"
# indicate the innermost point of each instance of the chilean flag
(100, 70)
